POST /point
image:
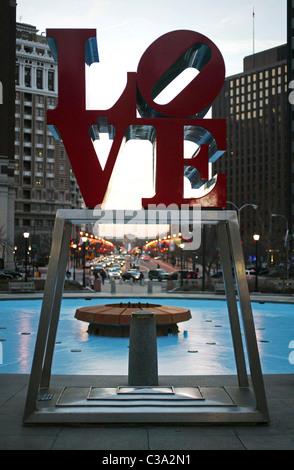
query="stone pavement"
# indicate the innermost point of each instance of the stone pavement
(277, 435)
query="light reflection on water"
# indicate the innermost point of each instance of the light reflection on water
(202, 346)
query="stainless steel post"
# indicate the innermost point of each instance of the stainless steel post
(232, 304)
(143, 369)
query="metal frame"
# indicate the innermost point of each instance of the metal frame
(247, 402)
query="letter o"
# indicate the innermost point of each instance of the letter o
(165, 59)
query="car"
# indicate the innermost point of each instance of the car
(115, 266)
(131, 274)
(114, 273)
(263, 271)
(217, 274)
(11, 274)
(145, 257)
(5, 276)
(97, 267)
(187, 274)
(249, 273)
(159, 274)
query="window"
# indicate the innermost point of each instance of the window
(39, 125)
(27, 165)
(26, 194)
(27, 138)
(40, 79)
(27, 110)
(40, 112)
(39, 99)
(17, 74)
(50, 140)
(49, 183)
(51, 101)
(39, 166)
(50, 195)
(27, 180)
(27, 151)
(39, 139)
(51, 80)
(50, 167)
(28, 76)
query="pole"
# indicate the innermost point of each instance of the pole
(181, 267)
(203, 258)
(143, 362)
(26, 260)
(256, 264)
(84, 262)
(74, 266)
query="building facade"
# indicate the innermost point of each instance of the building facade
(290, 113)
(43, 176)
(7, 96)
(256, 163)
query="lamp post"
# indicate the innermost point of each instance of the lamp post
(26, 235)
(182, 246)
(239, 209)
(74, 247)
(256, 238)
(286, 246)
(14, 255)
(84, 239)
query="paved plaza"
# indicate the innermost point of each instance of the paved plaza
(277, 435)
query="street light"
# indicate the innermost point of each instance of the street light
(84, 239)
(14, 255)
(74, 247)
(241, 208)
(26, 235)
(256, 238)
(182, 246)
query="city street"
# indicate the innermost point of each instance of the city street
(144, 266)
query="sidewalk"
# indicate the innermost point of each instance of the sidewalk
(278, 435)
(159, 291)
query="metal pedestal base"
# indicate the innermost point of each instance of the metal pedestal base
(202, 404)
(197, 404)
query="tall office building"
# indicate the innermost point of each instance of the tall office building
(290, 114)
(254, 104)
(7, 96)
(43, 175)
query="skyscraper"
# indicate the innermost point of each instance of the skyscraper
(7, 96)
(254, 104)
(290, 114)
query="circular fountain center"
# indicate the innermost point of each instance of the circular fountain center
(115, 319)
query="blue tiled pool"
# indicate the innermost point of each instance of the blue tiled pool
(203, 345)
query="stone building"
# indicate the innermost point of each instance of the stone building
(7, 96)
(43, 176)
